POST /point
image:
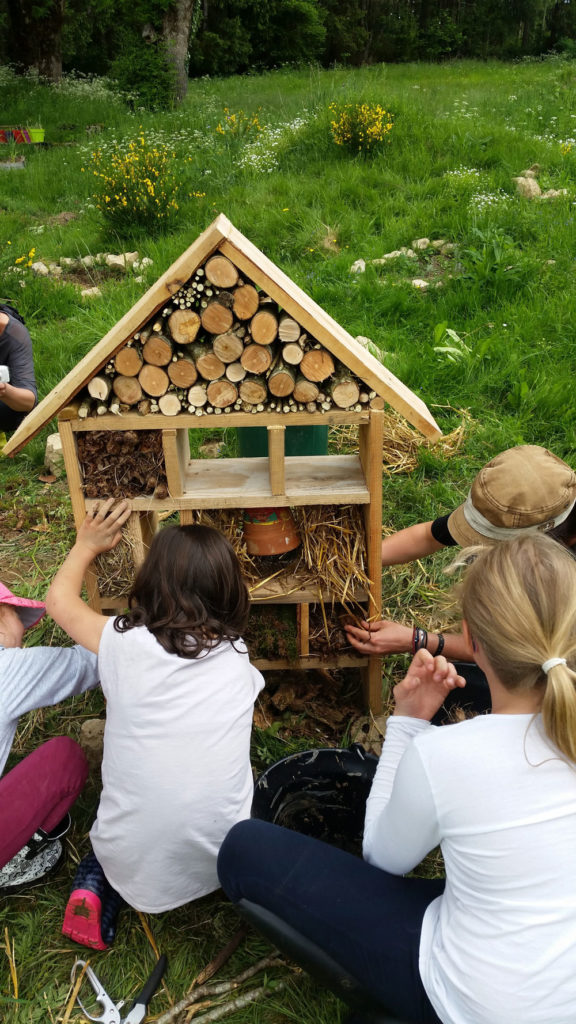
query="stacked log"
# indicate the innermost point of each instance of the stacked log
(221, 345)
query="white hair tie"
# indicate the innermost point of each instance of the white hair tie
(547, 665)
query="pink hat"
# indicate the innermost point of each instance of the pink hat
(29, 611)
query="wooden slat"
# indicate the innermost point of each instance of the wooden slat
(317, 322)
(75, 487)
(286, 589)
(303, 619)
(176, 459)
(156, 296)
(139, 530)
(370, 442)
(133, 421)
(276, 463)
(312, 661)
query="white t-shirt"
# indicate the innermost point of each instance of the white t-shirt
(499, 946)
(176, 770)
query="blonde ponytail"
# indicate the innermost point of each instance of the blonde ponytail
(519, 600)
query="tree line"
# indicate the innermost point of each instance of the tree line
(152, 46)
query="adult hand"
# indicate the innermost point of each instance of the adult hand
(382, 637)
(425, 686)
(102, 528)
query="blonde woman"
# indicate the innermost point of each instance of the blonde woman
(495, 943)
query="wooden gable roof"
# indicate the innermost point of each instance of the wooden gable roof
(223, 237)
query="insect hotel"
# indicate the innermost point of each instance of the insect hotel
(224, 339)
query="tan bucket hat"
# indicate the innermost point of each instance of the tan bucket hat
(522, 490)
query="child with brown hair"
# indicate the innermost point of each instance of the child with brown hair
(180, 692)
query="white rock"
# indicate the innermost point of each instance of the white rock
(115, 262)
(550, 263)
(91, 293)
(418, 282)
(448, 249)
(365, 342)
(54, 458)
(554, 193)
(527, 187)
(532, 171)
(358, 267)
(40, 269)
(129, 258)
(68, 263)
(438, 243)
(139, 279)
(87, 261)
(421, 243)
(55, 270)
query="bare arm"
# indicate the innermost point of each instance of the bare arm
(387, 637)
(17, 399)
(409, 544)
(100, 531)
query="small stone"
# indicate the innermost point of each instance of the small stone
(115, 262)
(129, 258)
(550, 263)
(87, 261)
(358, 267)
(91, 293)
(53, 457)
(532, 171)
(448, 249)
(40, 269)
(418, 282)
(554, 193)
(421, 243)
(362, 340)
(68, 263)
(438, 243)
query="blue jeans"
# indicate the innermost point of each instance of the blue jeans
(366, 919)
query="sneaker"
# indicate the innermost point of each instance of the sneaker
(32, 863)
(92, 910)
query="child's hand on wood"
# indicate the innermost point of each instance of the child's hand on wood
(425, 686)
(102, 529)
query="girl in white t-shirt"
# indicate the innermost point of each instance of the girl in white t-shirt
(180, 693)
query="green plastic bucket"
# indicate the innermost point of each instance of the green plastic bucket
(253, 441)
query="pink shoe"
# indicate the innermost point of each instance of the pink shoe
(82, 919)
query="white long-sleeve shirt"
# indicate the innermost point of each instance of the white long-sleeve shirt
(499, 946)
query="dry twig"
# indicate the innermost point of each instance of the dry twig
(219, 988)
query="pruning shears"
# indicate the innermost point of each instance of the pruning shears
(111, 1011)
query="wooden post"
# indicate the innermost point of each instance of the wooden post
(276, 463)
(176, 459)
(140, 528)
(75, 487)
(370, 438)
(303, 620)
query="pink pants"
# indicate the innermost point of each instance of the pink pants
(38, 791)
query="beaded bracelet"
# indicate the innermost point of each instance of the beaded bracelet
(440, 648)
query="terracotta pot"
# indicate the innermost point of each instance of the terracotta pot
(270, 531)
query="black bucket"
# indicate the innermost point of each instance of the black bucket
(321, 793)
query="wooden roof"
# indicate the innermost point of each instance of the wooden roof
(222, 236)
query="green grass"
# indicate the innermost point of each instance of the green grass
(507, 292)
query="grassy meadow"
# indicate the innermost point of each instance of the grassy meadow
(489, 345)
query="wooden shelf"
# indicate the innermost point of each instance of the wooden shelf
(311, 661)
(286, 589)
(213, 421)
(245, 483)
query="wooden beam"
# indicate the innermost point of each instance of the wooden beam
(276, 460)
(156, 296)
(317, 322)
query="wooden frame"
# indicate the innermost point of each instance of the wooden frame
(275, 480)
